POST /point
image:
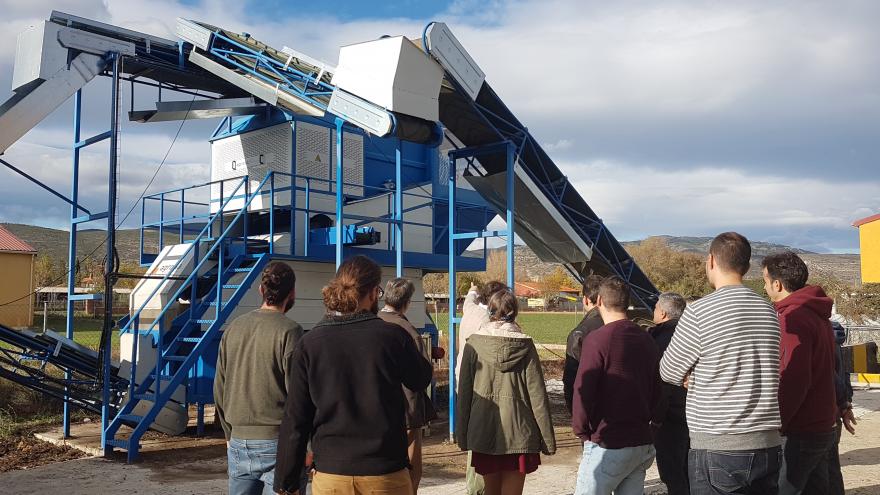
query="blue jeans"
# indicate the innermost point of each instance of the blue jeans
(621, 471)
(747, 472)
(251, 466)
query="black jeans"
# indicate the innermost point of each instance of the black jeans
(719, 472)
(835, 476)
(805, 463)
(672, 442)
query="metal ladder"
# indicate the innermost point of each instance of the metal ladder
(180, 349)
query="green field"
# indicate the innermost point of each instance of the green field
(545, 328)
(86, 330)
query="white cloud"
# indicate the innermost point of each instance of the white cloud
(636, 201)
(628, 97)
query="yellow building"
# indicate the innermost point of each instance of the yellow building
(16, 281)
(869, 240)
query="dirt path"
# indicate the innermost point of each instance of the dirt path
(203, 470)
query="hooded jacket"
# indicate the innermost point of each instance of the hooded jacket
(502, 400)
(807, 401)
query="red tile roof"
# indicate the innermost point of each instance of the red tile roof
(532, 289)
(872, 218)
(11, 244)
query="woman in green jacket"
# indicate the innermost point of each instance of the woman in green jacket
(504, 412)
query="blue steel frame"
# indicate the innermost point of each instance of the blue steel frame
(76, 220)
(509, 149)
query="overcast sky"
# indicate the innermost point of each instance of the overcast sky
(680, 118)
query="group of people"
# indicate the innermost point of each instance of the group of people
(732, 394)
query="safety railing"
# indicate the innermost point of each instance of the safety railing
(309, 186)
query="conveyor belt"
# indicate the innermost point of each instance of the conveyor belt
(36, 360)
(487, 120)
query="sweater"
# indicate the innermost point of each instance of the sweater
(673, 398)
(419, 408)
(807, 355)
(729, 342)
(573, 344)
(503, 406)
(346, 396)
(250, 384)
(617, 387)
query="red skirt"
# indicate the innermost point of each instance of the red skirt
(485, 464)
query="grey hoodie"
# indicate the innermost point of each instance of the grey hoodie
(502, 395)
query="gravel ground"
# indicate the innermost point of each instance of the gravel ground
(203, 470)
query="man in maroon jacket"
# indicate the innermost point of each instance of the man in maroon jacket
(806, 383)
(615, 391)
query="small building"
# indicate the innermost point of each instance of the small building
(534, 295)
(17, 267)
(869, 241)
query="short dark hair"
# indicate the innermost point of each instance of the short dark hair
(591, 287)
(277, 281)
(398, 292)
(615, 293)
(788, 268)
(503, 306)
(732, 252)
(489, 289)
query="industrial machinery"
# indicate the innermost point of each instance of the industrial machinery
(402, 152)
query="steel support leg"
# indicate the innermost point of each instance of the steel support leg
(453, 310)
(109, 266)
(339, 195)
(511, 175)
(71, 246)
(398, 209)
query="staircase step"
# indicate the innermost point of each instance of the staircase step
(189, 340)
(200, 322)
(162, 376)
(214, 303)
(149, 397)
(231, 286)
(119, 444)
(243, 270)
(174, 358)
(131, 418)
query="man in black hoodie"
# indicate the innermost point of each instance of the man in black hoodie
(671, 437)
(346, 396)
(592, 320)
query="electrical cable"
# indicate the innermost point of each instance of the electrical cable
(130, 211)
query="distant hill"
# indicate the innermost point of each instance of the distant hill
(842, 266)
(53, 242)
(700, 245)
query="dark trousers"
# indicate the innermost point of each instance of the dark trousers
(805, 463)
(717, 472)
(835, 476)
(672, 442)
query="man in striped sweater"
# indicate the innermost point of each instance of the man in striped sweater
(725, 350)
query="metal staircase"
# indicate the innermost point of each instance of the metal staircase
(231, 264)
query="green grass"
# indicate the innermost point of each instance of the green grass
(545, 328)
(86, 330)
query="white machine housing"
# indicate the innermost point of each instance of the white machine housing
(392, 73)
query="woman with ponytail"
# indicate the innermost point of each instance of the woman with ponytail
(503, 409)
(346, 395)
